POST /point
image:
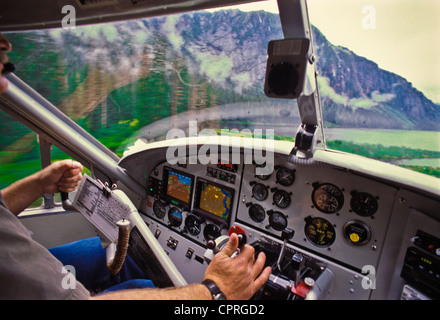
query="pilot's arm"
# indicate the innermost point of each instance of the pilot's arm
(238, 278)
(59, 176)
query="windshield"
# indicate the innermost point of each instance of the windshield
(139, 79)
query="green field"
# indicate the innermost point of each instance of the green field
(390, 154)
(425, 140)
(29, 162)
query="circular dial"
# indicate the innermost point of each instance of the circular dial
(175, 217)
(211, 232)
(320, 232)
(260, 176)
(285, 177)
(257, 213)
(327, 198)
(357, 232)
(260, 192)
(193, 224)
(159, 209)
(277, 220)
(363, 203)
(282, 198)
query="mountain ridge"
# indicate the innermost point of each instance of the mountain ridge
(229, 48)
(364, 95)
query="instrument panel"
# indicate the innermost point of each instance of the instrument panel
(332, 213)
(344, 223)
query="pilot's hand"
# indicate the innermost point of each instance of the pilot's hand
(239, 277)
(61, 176)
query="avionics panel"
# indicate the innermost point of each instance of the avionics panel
(213, 201)
(178, 187)
(198, 202)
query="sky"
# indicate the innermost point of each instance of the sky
(401, 36)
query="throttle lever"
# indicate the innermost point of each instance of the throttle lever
(241, 234)
(297, 264)
(286, 235)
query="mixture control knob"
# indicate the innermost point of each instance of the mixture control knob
(297, 264)
(213, 246)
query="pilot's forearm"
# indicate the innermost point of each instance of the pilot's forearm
(189, 292)
(21, 194)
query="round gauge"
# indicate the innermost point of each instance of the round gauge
(159, 209)
(320, 232)
(211, 232)
(285, 177)
(282, 198)
(259, 191)
(261, 176)
(327, 198)
(363, 203)
(277, 220)
(193, 225)
(257, 213)
(175, 217)
(357, 232)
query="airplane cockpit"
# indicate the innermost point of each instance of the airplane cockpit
(195, 120)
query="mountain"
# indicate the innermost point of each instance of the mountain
(355, 92)
(110, 73)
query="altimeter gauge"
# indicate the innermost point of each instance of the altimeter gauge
(327, 197)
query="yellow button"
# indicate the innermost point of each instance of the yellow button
(354, 237)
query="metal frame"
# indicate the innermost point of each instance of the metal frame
(295, 23)
(42, 14)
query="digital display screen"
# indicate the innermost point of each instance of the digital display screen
(178, 186)
(214, 199)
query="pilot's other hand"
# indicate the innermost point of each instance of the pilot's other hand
(62, 175)
(239, 277)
